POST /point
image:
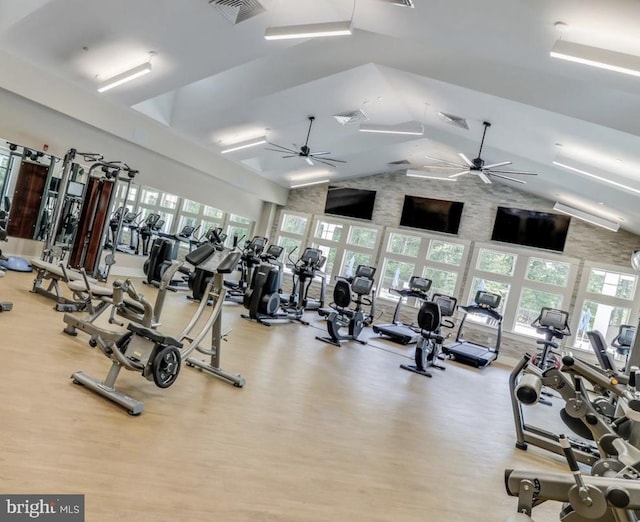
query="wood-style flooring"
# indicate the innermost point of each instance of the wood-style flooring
(318, 433)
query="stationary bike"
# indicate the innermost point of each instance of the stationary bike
(552, 324)
(431, 318)
(354, 319)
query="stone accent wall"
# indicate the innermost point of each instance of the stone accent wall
(584, 241)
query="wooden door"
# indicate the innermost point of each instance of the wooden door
(27, 197)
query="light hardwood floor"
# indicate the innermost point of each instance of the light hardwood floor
(318, 433)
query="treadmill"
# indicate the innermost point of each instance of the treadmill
(485, 304)
(399, 332)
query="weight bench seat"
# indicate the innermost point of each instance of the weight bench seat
(78, 285)
(55, 270)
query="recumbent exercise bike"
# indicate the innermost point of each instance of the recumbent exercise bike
(431, 318)
(340, 316)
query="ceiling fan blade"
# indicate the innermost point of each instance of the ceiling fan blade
(443, 167)
(333, 159)
(484, 177)
(493, 165)
(291, 156)
(281, 149)
(308, 160)
(318, 153)
(447, 162)
(317, 160)
(460, 173)
(508, 178)
(465, 159)
(522, 172)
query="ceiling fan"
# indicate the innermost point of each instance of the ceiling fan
(478, 167)
(305, 152)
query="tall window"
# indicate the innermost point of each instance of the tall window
(413, 254)
(291, 234)
(606, 300)
(525, 283)
(346, 244)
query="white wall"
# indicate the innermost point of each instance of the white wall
(34, 112)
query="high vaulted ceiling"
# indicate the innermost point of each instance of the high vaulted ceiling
(218, 83)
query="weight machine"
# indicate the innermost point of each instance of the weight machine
(158, 357)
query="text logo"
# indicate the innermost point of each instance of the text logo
(42, 508)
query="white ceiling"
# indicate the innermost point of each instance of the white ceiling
(217, 83)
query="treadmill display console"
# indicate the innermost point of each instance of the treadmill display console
(487, 299)
(419, 284)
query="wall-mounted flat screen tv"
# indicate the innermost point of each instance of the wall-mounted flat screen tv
(350, 202)
(531, 228)
(431, 214)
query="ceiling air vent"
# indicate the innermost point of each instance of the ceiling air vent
(349, 117)
(402, 3)
(237, 11)
(456, 121)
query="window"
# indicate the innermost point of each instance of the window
(362, 237)
(191, 207)
(239, 219)
(606, 300)
(621, 286)
(294, 224)
(329, 231)
(501, 263)
(345, 244)
(529, 306)
(423, 255)
(352, 260)
(169, 201)
(444, 252)
(547, 271)
(395, 274)
(292, 231)
(442, 281)
(241, 235)
(404, 245)
(212, 212)
(149, 197)
(526, 283)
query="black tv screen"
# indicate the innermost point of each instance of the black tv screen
(431, 214)
(349, 202)
(531, 228)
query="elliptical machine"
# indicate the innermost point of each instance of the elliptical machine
(431, 317)
(354, 319)
(262, 299)
(203, 274)
(249, 259)
(304, 271)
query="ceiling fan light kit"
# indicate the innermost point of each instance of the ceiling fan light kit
(410, 128)
(596, 57)
(244, 145)
(289, 32)
(613, 226)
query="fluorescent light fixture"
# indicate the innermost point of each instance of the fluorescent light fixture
(412, 128)
(585, 216)
(245, 144)
(564, 165)
(596, 57)
(309, 183)
(426, 175)
(288, 32)
(125, 77)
